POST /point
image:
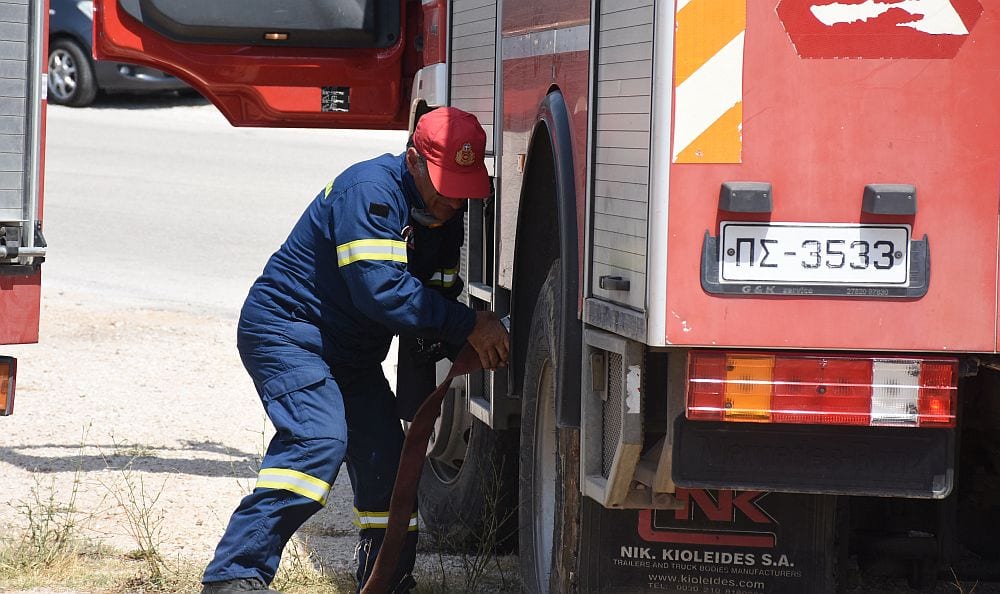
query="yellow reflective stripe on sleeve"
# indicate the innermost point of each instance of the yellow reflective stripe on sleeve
(294, 481)
(371, 249)
(329, 188)
(366, 520)
(444, 277)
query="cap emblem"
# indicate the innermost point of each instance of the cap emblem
(466, 156)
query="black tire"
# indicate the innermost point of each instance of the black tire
(473, 509)
(922, 574)
(71, 74)
(549, 526)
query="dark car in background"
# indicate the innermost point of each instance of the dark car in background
(75, 77)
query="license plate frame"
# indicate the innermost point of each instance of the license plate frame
(907, 278)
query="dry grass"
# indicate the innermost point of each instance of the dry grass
(480, 568)
(80, 568)
(301, 573)
(51, 550)
(959, 586)
(103, 571)
(50, 547)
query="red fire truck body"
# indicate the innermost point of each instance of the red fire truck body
(23, 43)
(750, 250)
(849, 122)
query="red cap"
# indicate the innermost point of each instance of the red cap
(453, 143)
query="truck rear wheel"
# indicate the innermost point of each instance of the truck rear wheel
(467, 504)
(550, 461)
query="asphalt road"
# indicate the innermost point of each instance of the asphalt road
(162, 202)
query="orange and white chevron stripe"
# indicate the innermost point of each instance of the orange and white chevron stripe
(708, 81)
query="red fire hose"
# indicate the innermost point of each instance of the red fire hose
(411, 464)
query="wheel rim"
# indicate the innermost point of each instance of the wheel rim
(544, 487)
(448, 446)
(62, 74)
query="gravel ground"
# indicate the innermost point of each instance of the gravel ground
(114, 396)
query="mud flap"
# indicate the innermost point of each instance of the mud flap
(719, 542)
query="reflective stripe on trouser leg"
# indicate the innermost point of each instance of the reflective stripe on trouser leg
(301, 462)
(379, 520)
(374, 443)
(266, 518)
(372, 531)
(294, 481)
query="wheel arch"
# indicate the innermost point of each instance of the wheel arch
(419, 109)
(547, 203)
(75, 38)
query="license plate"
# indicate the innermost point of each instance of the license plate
(815, 253)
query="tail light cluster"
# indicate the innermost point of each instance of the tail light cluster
(822, 389)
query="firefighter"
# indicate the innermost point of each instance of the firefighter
(317, 325)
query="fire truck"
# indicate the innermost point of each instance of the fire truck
(23, 40)
(749, 249)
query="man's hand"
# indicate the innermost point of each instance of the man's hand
(490, 340)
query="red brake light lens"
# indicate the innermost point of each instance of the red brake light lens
(936, 404)
(705, 392)
(822, 390)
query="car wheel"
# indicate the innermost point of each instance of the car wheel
(71, 74)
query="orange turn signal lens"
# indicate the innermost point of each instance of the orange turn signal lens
(730, 387)
(8, 372)
(747, 396)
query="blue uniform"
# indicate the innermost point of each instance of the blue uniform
(313, 333)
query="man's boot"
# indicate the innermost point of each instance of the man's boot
(240, 586)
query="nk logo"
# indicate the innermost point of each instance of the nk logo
(727, 518)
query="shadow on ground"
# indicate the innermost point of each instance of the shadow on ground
(98, 457)
(184, 98)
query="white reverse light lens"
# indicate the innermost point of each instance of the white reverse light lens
(895, 391)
